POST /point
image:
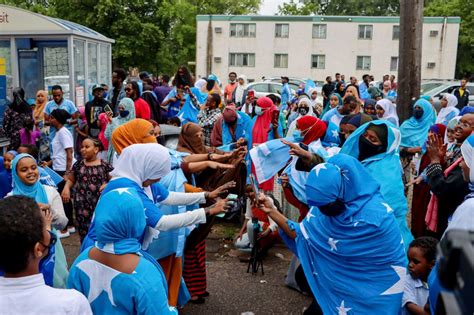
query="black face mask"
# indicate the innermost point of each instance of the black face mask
(333, 209)
(303, 111)
(418, 113)
(367, 149)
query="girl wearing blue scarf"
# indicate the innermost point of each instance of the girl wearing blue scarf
(115, 275)
(26, 183)
(375, 144)
(348, 244)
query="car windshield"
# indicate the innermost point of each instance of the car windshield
(426, 87)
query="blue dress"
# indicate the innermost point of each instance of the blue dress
(135, 293)
(354, 261)
(387, 171)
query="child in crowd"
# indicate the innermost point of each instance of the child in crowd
(87, 178)
(102, 124)
(62, 158)
(6, 173)
(24, 235)
(422, 258)
(174, 121)
(28, 134)
(45, 177)
(268, 235)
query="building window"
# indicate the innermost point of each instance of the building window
(319, 31)
(242, 60)
(394, 64)
(242, 29)
(396, 32)
(365, 31)
(318, 61)
(363, 63)
(281, 61)
(282, 30)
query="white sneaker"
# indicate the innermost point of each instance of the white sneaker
(62, 234)
(71, 229)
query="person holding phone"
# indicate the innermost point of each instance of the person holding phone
(94, 108)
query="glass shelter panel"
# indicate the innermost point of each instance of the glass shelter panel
(92, 65)
(79, 72)
(56, 69)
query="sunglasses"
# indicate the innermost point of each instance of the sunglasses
(52, 241)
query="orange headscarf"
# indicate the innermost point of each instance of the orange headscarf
(38, 112)
(133, 132)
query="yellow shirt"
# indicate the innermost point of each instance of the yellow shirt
(461, 92)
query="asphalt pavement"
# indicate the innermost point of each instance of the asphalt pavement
(233, 290)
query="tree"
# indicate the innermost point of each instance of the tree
(152, 35)
(341, 7)
(465, 10)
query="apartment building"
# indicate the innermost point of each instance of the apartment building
(317, 46)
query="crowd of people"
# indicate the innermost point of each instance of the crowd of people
(374, 194)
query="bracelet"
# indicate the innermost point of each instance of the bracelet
(206, 195)
(209, 156)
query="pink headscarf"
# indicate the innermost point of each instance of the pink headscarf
(262, 123)
(103, 120)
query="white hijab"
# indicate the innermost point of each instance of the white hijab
(240, 89)
(200, 84)
(310, 112)
(451, 107)
(140, 162)
(390, 113)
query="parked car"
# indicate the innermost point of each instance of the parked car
(439, 88)
(265, 88)
(170, 136)
(294, 83)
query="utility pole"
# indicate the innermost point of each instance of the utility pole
(209, 49)
(409, 52)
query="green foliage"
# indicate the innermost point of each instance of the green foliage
(465, 10)
(341, 7)
(156, 35)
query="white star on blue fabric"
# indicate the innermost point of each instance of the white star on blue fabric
(122, 191)
(335, 134)
(100, 280)
(332, 243)
(398, 286)
(319, 167)
(389, 210)
(310, 215)
(342, 310)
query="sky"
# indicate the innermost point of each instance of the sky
(270, 7)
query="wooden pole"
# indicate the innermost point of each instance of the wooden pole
(209, 47)
(410, 45)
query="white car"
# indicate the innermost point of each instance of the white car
(266, 88)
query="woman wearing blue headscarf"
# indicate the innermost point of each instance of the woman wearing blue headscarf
(26, 182)
(348, 244)
(375, 144)
(115, 275)
(414, 131)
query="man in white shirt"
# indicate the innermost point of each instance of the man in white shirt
(25, 241)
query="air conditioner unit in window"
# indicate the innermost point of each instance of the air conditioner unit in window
(433, 33)
(218, 30)
(217, 59)
(431, 65)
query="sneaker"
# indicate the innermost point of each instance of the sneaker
(64, 234)
(71, 229)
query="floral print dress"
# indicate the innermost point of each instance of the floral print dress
(12, 123)
(86, 191)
